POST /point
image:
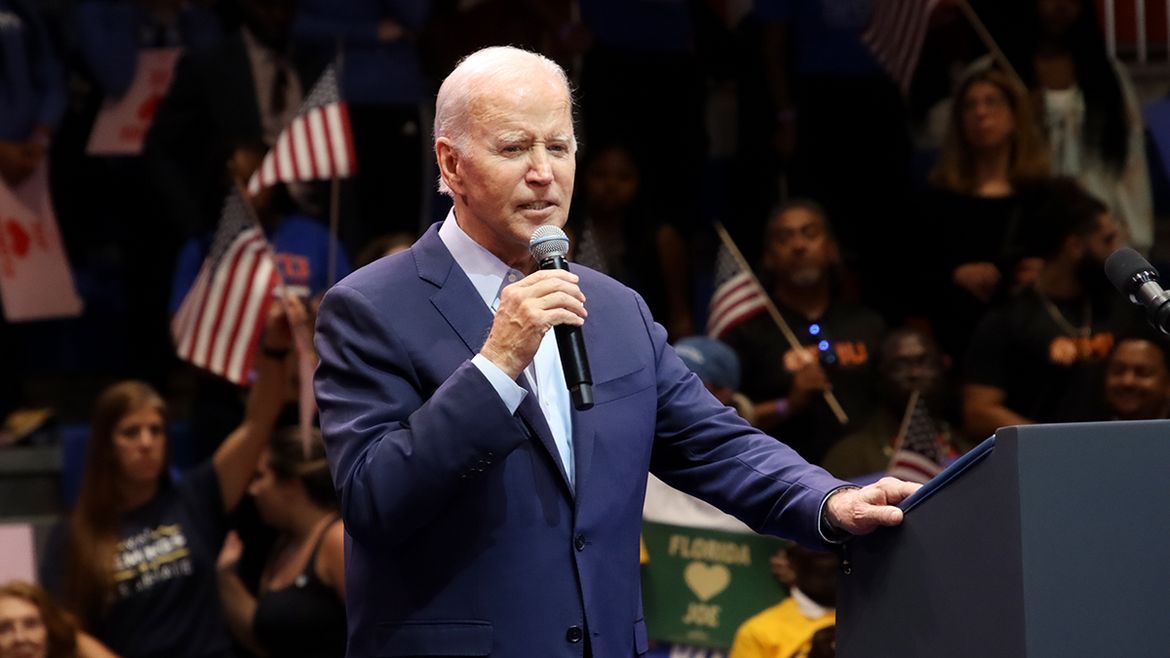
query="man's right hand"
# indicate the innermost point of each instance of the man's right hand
(528, 309)
(808, 379)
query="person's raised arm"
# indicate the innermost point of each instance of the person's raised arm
(235, 460)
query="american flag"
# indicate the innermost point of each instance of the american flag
(738, 296)
(316, 145)
(895, 35)
(220, 319)
(919, 457)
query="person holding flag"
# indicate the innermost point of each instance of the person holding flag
(914, 432)
(823, 353)
(262, 243)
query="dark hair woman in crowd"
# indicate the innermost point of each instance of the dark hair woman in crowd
(138, 552)
(300, 608)
(1089, 110)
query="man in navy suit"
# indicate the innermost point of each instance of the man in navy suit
(485, 515)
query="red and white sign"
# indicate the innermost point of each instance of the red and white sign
(35, 281)
(121, 125)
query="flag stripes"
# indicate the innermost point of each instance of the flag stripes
(220, 320)
(737, 296)
(918, 456)
(316, 145)
(895, 36)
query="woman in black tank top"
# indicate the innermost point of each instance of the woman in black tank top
(300, 609)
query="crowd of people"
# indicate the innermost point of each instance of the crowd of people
(935, 256)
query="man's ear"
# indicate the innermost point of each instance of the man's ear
(448, 159)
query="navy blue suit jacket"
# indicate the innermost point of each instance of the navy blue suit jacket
(465, 538)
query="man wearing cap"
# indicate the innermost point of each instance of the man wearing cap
(717, 366)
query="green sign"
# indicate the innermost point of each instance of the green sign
(700, 585)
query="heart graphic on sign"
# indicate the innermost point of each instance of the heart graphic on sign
(706, 581)
(17, 237)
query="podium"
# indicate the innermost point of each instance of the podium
(1051, 541)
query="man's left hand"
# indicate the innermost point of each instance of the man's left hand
(861, 511)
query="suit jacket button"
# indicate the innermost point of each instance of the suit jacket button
(574, 634)
(579, 542)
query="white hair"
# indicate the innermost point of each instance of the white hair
(474, 75)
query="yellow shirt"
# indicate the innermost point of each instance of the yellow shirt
(778, 632)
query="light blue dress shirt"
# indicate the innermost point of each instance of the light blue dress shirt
(545, 376)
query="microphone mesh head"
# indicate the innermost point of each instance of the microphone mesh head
(1123, 267)
(548, 241)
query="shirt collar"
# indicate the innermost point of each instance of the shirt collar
(487, 272)
(808, 608)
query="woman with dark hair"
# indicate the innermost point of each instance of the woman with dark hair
(1090, 112)
(31, 626)
(300, 608)
(975, 209)
(617, 234)
(137, 554)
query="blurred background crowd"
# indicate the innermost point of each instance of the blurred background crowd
(932, 244)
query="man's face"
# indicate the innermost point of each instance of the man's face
(516, 172)
(911, 366)
(1137, 385)
(1103, 241)
(799, 250)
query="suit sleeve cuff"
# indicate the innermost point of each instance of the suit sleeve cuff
(511, 393)
(829, 533)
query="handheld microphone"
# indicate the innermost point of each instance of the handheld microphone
(1133, 275)
(548, 246)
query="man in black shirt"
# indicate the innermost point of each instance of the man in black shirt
(1038, 358)
(839, 339)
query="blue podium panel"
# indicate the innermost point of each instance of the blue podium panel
(1053, 544)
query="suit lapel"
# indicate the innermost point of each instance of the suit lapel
(458, 302)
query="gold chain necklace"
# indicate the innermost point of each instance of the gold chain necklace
(1061, 321)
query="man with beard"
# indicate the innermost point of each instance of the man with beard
(1037, 359)
(909, 361)
(787, 386)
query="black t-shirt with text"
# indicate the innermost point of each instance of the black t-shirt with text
(164, 601)
(845, 340)
(1031, 349)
